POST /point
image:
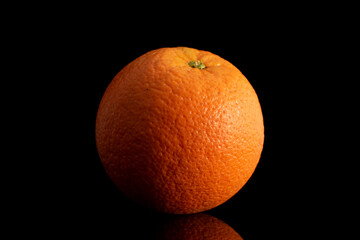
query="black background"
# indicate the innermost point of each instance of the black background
(80, 54)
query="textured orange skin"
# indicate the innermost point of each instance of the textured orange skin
(198, 227)
(179, 139)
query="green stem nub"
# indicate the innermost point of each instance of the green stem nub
(196, 64)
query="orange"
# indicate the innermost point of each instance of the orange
(197, 226)
(179, 130)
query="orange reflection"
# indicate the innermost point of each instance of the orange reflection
(197, 226)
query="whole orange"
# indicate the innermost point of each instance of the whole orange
(179, 130)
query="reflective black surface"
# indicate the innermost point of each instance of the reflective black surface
(76, 189)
